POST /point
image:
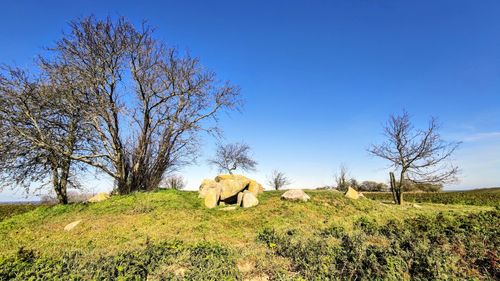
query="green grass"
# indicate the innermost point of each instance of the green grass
(478, 197)
(131, 223)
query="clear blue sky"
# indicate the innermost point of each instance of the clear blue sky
(319, 77)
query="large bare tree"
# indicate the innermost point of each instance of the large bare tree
(233, 156)
(417, 156)
(41, 130)
(149, 104)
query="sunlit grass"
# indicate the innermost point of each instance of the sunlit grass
(128, 222)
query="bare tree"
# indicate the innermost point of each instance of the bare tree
(342, 179)
(233, 156)
(41, 130)
(418, 156)
(148, 103)
(278, 180)
(174, 182)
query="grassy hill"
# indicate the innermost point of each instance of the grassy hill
(250, 243)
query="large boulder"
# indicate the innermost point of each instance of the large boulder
(204, 186)
(249, 200)
(352, 193)
(295, 195)
(99, 197)
(212, 197)
(255, 188)
(228, 189)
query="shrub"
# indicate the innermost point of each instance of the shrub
(420, 248)
(201, 262)
(372, 186)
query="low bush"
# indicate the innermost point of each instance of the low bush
(421, 248)
(164, 261)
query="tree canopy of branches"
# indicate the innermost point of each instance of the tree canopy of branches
(42, 129)
(278, 180)
(114, 98)
(418, 156)
(149, 103)
(233, 156)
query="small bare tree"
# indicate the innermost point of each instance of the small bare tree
(277, 180)
(176, 182)
(233, 156)
(418, 156)
(342, 179)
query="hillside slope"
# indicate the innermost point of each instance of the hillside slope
(129, 223)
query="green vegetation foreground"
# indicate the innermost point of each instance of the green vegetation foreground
(170, 235)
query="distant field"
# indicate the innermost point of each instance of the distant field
(9, 210)
(478, 197)
(169, 235)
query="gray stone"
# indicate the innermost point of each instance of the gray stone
(295, 195)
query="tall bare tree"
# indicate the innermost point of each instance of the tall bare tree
(233, 156)
(41, 130)
(148, 103)
(417, 156)
(278, 180)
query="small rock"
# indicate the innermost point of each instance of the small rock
(351, 193)
(98, 197)
(249, 200)
(228, 208)
(295, 195)
(72, 225)
(416, 206)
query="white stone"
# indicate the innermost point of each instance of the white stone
(295, 195)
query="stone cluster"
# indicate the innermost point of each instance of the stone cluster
(230, 190)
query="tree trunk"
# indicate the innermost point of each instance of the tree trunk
(60, 174)
(397, 194)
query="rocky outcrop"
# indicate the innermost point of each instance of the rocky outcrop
(295, 195)
(229, 189)
(99, 197)
(351, 193)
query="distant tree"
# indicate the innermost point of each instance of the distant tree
(342, 179)
(174, 182)
(372, 186)
(233, 156)
(277, 180)
(418, 156)
(354, 183)
(425, 187)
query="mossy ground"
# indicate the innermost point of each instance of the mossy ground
(128, 222)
